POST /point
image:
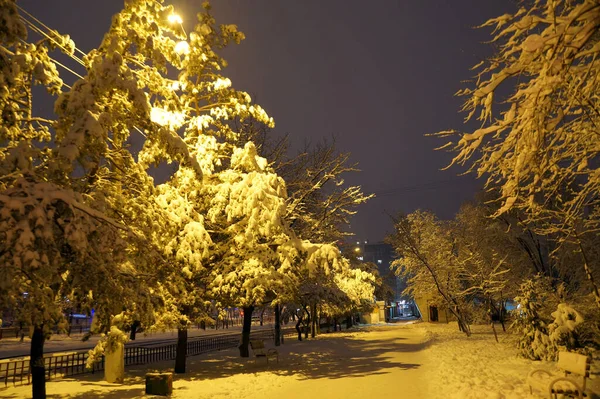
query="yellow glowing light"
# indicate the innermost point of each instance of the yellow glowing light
(357, 249)
(182, 47)
(175, 19)
(173, 120)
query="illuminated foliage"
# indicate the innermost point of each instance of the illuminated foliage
(539, 143)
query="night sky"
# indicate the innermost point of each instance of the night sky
(376, 75)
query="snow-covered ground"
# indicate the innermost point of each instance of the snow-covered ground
(403, 361)
(476, 367)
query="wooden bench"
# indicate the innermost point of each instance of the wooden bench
(259, 350)
(576, 370)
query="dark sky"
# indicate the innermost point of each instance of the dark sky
(377, 75)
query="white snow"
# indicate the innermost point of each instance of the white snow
(403, 361)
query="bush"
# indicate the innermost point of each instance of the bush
(532, 327)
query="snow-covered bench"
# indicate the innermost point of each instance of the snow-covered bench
(258, 348)
(576, 370)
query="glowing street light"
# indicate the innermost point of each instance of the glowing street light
(182, 47)
(357, 249)
(175, 19)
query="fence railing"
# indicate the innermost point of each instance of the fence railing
(65, 364)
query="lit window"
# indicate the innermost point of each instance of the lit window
(379, 261)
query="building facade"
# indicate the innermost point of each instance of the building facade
(381, 254)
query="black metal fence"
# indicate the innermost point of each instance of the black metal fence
(16, 371)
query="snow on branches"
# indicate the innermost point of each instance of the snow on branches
(54, 247)
(544, 143)
(84, 222)
(539, 143)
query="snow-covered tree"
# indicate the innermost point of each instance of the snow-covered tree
(246, 210)
(490, 257)
(57, 246)
(428, 258)
(188, 120)
(544, 334)
(321, 277)
(126, 91)
(539, 142)
(531, 322)
(320, 202)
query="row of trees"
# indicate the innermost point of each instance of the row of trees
(534, 235)
(475, 264)
(84, 225)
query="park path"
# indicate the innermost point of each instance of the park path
(387, 361)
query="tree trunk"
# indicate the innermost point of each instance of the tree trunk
(588, 272)
(262, 316)
(502, 313)
(181, 354)
(462, 325)
(134, 328)
(22, 330)
(313, 323)
(298, 328)
(348, 322)
(70, 324)
(38, 372)
(277, 325)
(491, 310)
(306, 322)
(244, 351)
(319, 316)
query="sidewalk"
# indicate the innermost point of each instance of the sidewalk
(350, 364)
(425, 361)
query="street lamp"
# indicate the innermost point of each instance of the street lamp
(182, 47)
(175, 19)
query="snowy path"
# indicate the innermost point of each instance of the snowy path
(398, 361)
(385, 362)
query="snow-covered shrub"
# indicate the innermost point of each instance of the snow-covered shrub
(109, 342)
(588, 332)
(544, 333)
(534, 342)
(563, 330)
